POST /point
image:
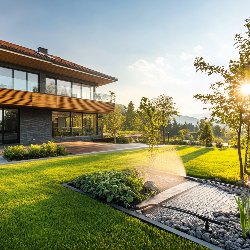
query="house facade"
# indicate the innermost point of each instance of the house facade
(44, 97)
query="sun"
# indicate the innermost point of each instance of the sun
(245, 89)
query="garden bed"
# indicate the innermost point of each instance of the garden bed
(225, 234)
(138, 214)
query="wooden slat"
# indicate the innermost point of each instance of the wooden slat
(16, 98)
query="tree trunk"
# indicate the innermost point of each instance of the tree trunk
(163, 134)
(247, 160)
(239, 149)
(247, 150)
(115, 135)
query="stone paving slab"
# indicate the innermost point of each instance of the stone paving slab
(168, 194)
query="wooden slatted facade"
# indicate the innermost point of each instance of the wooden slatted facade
(17, 98)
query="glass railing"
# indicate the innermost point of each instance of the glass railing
(103, 97)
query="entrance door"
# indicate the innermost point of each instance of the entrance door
(9, 125)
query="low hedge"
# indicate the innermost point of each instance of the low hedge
(20, 152)
(121, 187)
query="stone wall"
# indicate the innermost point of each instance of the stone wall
(35, 125)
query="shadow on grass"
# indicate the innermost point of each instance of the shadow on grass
(190, 156)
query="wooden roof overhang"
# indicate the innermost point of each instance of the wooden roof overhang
(17, 98)
(54, 66)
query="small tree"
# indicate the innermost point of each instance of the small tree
(130, 116)
(206, 134)
(150, 122)
(166, 110)
(113, 122)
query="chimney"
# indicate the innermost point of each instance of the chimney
(42, 50)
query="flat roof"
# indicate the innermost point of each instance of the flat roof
(13, 53)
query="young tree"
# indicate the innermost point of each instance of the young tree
(130, 116)
(166, 110)
(206, 134)
(150, 122)
(113, 121)
(227, 103)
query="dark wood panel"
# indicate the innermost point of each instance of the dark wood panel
(18, 98)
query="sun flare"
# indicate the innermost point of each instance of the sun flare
(245, 89)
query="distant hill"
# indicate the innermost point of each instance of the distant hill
(188, 119)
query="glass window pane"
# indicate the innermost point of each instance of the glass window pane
(86, 92)
(76, 90)
(32, 82)
(20, 80)
(50, 86)
(11, 125)
(61, 123)
(89, 124)
(6, 80)
(63, 88)
(77, 124)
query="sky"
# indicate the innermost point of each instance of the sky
(150, 46)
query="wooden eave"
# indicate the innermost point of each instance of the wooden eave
(39, 64)
(17, 98)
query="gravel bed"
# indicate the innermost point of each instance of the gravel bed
(213, 199)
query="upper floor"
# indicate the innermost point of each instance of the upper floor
(24, 69)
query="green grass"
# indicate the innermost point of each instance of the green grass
(210, 162)
(36, 212)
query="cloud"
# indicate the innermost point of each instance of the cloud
(156, 72)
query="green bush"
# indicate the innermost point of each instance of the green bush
(34, 151)
(20, 152)
(61, 150)
(123, 140)
(121, 187)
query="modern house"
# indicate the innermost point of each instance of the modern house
(44, 97)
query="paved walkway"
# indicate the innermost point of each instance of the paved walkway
(80, 147)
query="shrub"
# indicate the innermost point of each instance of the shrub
(33, 152)
(49, 149)
(18, 152)
(121, 187)
(61, 150)
(123, 140)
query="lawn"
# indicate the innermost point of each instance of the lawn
(210, 162)
(36, 212)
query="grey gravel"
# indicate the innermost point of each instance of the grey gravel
(212, 199)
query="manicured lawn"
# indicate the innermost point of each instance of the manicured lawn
(210, 163)
(36, 212)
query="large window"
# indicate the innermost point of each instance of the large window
(74, 124)
(32, 82)
(89, 124)
(9, 125)
(63, 88)
(61, 123)
(77, 124)
(20, 80)
(86, 92)
(6, 79)
(50, 87)
(76, 90)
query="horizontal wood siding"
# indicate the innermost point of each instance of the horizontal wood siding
(16, 98)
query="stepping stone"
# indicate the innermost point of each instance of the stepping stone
(168, 194)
